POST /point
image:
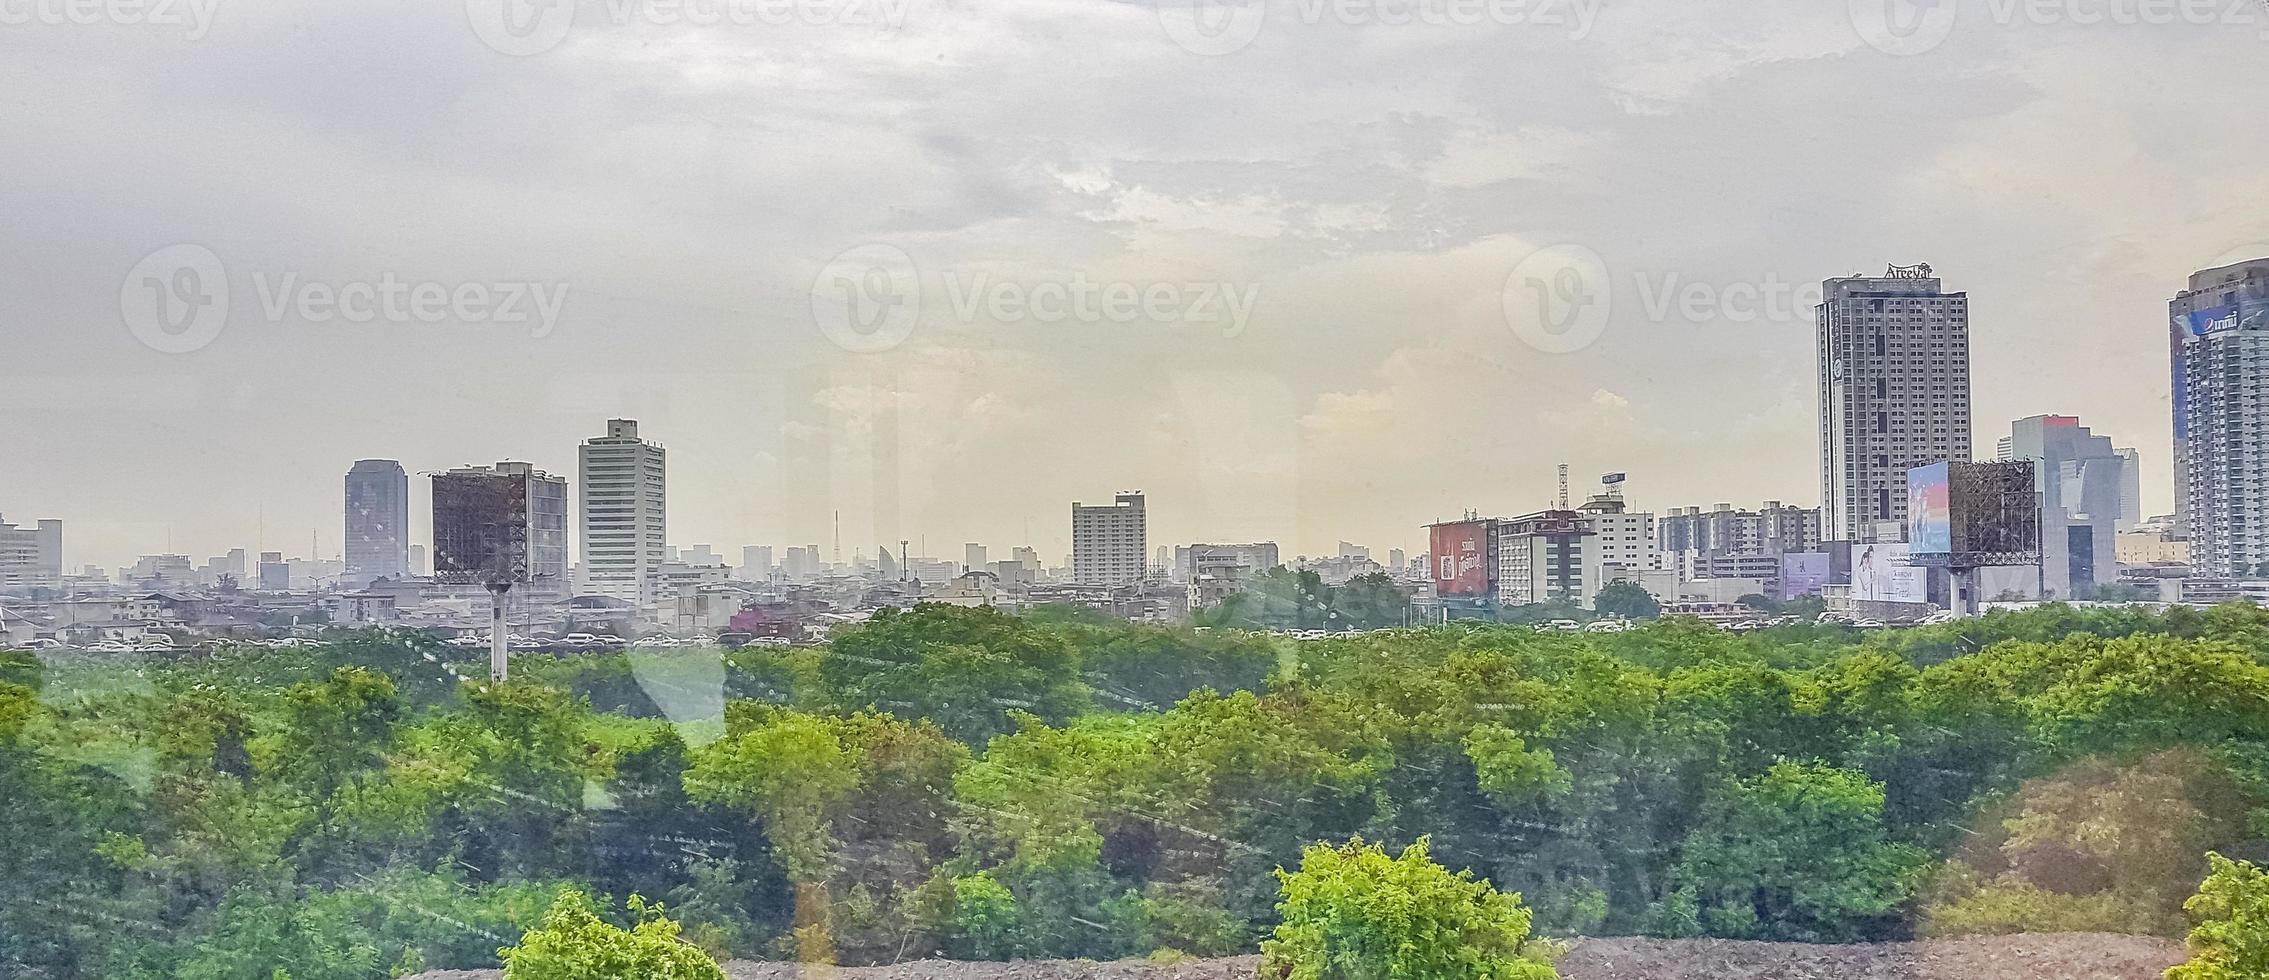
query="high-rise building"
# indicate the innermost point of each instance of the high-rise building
(756, 562)
(2130, 490)
(1624, 538)
(2219, 336)
(378, 521)
(1894, 382)
(31, 557)
(2081, 478)
(418, 564)
(1109, 541)
(973, 557)
(509, 519)
(1550, 556)
(1720, 530)
(624, 513)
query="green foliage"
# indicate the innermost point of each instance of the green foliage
(986, 920)
(1149, 668)
(1796, 854)
(2231, 941)
(964, 670)
(1626, 600)
(960, 781)
(1509, 771)
(1280, 598)
(2096, 847)
(1353, 913)
(575, 944)
(792, 770)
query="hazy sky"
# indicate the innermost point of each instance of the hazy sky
(1279, 267)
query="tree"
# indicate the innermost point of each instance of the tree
(1353, 913)
(1798, 854)
(965, 669)
(1280, 598)
(1369, 602)
(574, 944)
(1136, 666)
(336, 732)
(1543, 612)
(1627, 600)
(798, 775)
(2098, 847)
(2231, 940)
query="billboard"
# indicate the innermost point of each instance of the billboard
(1930, 515)
(2199, 323)
(480, 528)
(1803, 573)
(1462, 566)
(1996, 511)
(1880, 573)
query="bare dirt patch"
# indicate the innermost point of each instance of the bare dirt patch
(2079, 956)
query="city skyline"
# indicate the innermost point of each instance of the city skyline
(420, 525)
(1384, 197)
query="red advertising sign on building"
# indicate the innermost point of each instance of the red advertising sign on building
(1461, 559)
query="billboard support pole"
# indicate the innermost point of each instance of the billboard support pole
(498, 653)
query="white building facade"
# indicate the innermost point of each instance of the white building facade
(1109, 542)
(624, 525)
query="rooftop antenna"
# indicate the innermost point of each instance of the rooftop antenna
(1563, 486)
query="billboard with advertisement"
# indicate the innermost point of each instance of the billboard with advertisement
(1803, 573)
(1880, 573)
(1930, 515)
(1460, 553)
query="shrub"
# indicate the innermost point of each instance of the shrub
(1798, 854)
(1353, 913)
(2232, 912)
(574, 944)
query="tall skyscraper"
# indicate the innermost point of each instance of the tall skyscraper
(1894, 382)
(2219, 337)
(2130, 490)
(508, 519)
(973, 557)
(2081, 477)
(1109, 541)
(756, 562)
(623, 526)
(378, 521)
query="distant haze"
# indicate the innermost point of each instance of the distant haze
(657, 217)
